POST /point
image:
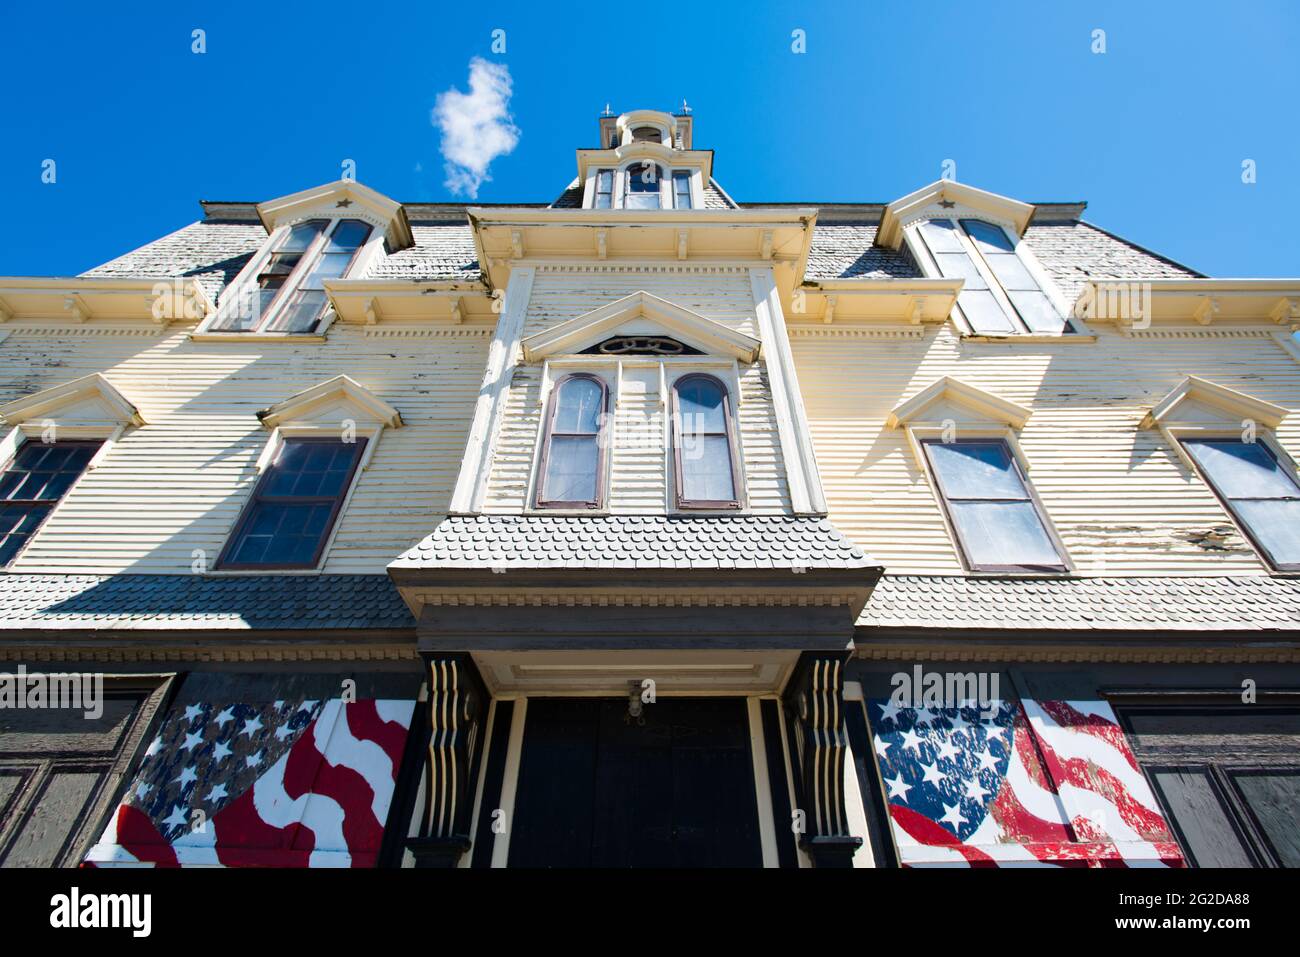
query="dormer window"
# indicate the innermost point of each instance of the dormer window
(288, 292)
(1001, 296)
(647, 134)
(641, 190)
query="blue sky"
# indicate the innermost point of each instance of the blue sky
(1152, 133)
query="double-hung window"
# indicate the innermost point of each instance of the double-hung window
(604, 189)
(704, 448)
(682, 189)
(33, 484)
(295, 505)
(642, 186)
(1259, 493)
(996, 520)
(288, 295)
(572, 464)
(1000, 296)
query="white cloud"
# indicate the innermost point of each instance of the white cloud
(476, 126)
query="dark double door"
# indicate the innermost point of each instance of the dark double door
(597, 790)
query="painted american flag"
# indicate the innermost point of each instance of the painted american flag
(1037, 782)
(304, 783)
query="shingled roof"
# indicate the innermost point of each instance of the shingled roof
(635, 541)
(1182, 604)
(293, 602)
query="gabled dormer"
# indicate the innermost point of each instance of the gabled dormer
(955, 231)
(334, 231)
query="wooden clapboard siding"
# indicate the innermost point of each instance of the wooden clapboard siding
(178, 484)
(637, 481)
(1122, 501)
(638, 468)
(721, 294)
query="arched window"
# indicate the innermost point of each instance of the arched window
(704, 451)
(572, 451)
(647, 134)
(642, 186)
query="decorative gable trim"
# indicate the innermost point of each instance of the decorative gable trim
(1234, 404)
(114, 410)
(340, 388)
(578, 333)
(986, 406)
(342, 198)
(913, 206)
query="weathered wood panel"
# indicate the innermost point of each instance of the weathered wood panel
(178, 484)
(1121, 499)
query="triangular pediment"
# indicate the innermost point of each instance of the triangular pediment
(950, 399)
(333, 401)
(89, 402)
(641, 314)
(946, 198)
(343, 198)
(1197, 401)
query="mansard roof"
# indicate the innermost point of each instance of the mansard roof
(200, 602)
(635, 542)
(1187, 603)
(214, 250)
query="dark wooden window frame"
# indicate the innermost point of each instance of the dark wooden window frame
(224, 563)
(1031, 497)
(1152, 761)
(682, 501)
(97, 443)
(539, 498)
(1242, 525)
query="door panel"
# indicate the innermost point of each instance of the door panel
(673, 790)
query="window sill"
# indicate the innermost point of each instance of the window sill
(1030, 337)
(257, 337)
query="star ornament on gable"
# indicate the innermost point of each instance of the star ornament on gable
(343, 203)
(947, 203)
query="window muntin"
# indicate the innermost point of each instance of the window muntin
(295, 505)
(604, 189)
(642, 186)
(1259, 493)
(996, 520)
(288, 293)
(571, 468)
(34, 482)
(681, 189)
(959, 248)
(704, 447)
